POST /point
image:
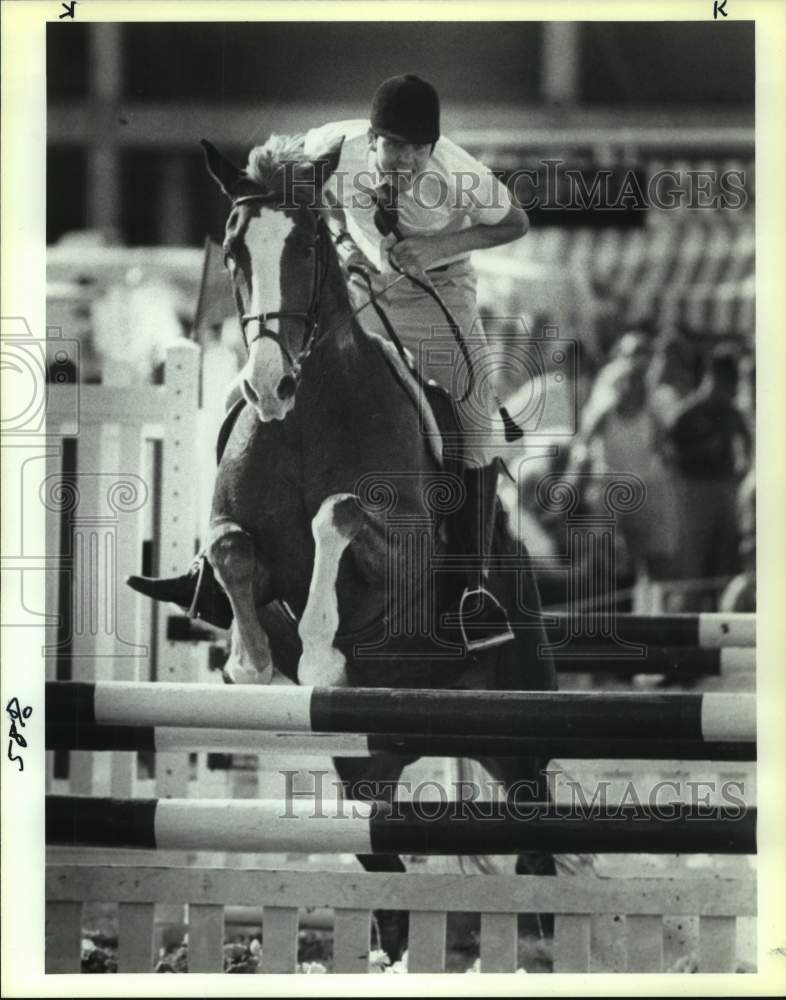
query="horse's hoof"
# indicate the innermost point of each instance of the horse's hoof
(239, 673)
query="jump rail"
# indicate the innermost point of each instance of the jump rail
(498, 898)
(707, 717)
(164, 739)
(681, 661)
(712, 630)
(444, 828)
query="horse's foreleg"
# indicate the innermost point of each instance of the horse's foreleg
(239, 668)
(336, 523)
(232, 556)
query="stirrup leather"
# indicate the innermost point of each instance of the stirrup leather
(198, 567)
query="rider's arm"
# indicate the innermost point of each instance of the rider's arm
(421, 252)
(513, 226)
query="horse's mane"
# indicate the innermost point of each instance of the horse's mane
(267, 163)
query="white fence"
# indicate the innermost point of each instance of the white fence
(120, 477)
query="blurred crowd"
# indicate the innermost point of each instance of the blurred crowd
(676, 415)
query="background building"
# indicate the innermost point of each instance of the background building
(129, 103)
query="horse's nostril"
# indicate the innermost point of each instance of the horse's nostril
(252, 396)
(286, 387)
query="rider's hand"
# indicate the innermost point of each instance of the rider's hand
(350, 254)
(416, 254)
(356, 262)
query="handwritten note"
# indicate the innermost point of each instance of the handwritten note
(17, 715)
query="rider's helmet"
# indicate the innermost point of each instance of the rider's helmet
(406, 108)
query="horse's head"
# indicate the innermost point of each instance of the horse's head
(276, 249)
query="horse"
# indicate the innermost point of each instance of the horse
(336, 514)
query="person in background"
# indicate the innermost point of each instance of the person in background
(709, 444)
(740, 594)
(619, 433)
(670, 376)
(546, 531)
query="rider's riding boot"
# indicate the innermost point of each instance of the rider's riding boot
(197, 592)
(482, 618)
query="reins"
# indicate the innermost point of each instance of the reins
(386, 224)
(429, 289)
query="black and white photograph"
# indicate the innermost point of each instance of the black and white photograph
(393, 475)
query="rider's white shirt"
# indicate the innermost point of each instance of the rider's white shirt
(454, 192)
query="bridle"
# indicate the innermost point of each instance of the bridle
(310, 318)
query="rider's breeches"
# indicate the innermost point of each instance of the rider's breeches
(423, 329)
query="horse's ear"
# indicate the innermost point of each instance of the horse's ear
(325, 163)
(223, 171)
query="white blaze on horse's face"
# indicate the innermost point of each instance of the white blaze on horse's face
(266, 371)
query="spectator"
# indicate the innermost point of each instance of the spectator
(545, 528)
(670, 376)
(620, 434)
(740, 595)
(708, 444)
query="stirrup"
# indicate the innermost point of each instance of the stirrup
(210, 602)
(504, 633)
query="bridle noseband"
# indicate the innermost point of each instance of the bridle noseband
(310, 318)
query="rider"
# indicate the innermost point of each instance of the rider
(405, 198)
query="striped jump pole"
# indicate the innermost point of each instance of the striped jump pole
(435, 827)
(681, 661)
(532, 715)
(164, 739)
(707, 630)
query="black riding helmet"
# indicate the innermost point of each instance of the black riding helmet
(406, 108)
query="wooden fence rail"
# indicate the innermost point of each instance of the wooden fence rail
(574, 900)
